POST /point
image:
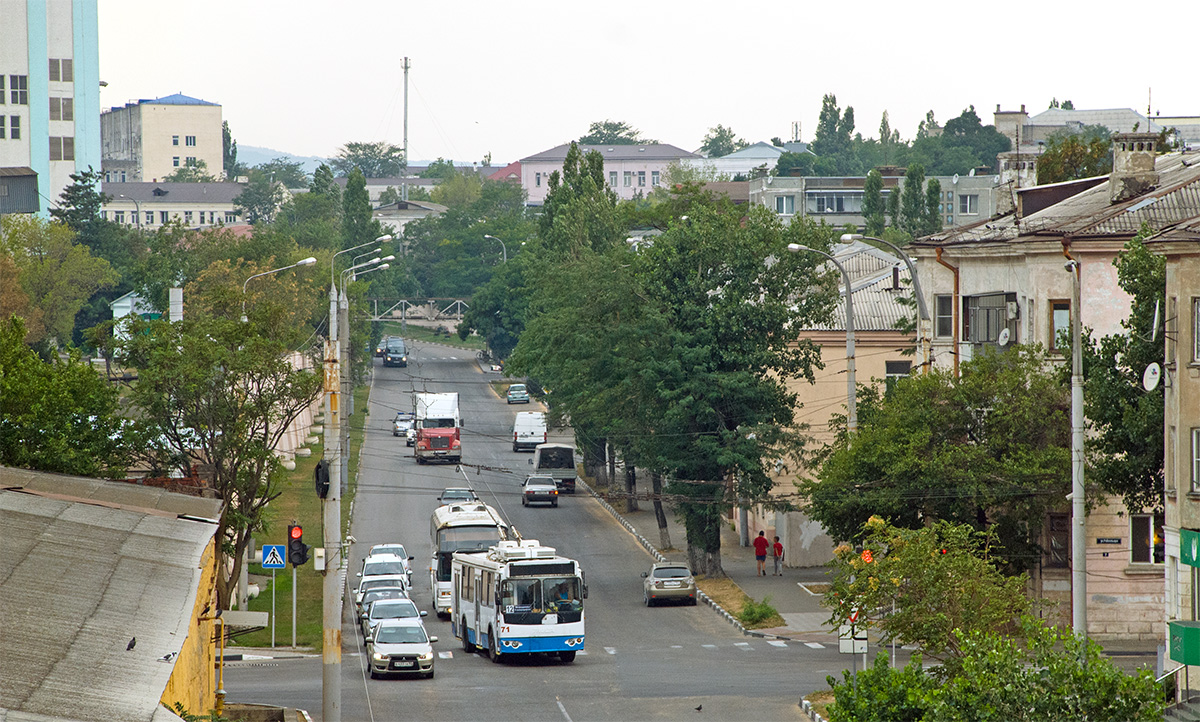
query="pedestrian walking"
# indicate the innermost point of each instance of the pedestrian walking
(777, 554)
(760, 552)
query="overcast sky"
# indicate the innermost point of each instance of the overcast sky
(515, 78)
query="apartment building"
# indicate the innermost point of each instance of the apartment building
(147, 140)
(49, 94)
(151, 205)
(630, 170)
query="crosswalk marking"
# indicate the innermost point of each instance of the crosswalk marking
(744, 646)
(709, 646)
(582, 653)
(446, 655)
(814, 645)
(776, 642)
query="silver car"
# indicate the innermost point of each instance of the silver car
(400, 646)
(539, 488)
(668, 580)
(388, 609)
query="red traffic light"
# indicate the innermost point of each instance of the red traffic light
(295, 532)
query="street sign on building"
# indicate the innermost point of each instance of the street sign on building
(274, 556)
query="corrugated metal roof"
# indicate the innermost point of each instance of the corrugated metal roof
(877, 305)
(176, 99)
(1118, 120)
(88, 565)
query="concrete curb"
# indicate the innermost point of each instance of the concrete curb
(658, 556)
(807, 708)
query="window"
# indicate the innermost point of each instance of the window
(191, 160)
(174, 140)
(894, 371)
(149, 217)
(612, 178)
(190, 141)
(654, 178)
(943, 316)
(187, 217)
(14, 127)
(62, 109)
(62, 70)
(62, 148)
(230, 217)
(984, 317)
(163, 217)
(1146, 545)
(785, 205)
(628, 178)
(1058, 542)
(2, 95)
(949, 195)
(1169, 465)
(968, 205)
(18, 89)
(537, 180)
(641, 179)
(1060, 325)
(118, 216)
(1196, 330)
(1195, 459)
(831, 204)
(175, 161)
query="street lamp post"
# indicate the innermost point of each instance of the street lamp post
(306, 262)
(851, 401)
(1078, 508)
(503, 249)
(922, 309)
(138, 206)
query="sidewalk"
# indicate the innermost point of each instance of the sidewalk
(800, 608)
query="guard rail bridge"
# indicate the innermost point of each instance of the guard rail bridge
(420, 309)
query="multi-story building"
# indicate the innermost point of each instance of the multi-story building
(151, 205)
(629, 169)
(1002, 281)
(150, 139)
(49, 92)
(752, 161)
(838, 200)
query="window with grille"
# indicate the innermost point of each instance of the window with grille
(1058, 541)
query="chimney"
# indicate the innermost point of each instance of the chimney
(1133, 166)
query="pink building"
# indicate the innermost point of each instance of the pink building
(629, 169)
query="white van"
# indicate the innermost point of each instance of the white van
(529, 430)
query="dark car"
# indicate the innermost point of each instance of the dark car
(395, 353)
(539, 489)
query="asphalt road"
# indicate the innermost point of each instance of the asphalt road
(639, 663)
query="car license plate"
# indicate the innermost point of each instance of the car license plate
(403, 664)
(673, 584)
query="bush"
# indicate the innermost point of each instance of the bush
(754, 612)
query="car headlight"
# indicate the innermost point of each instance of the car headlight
(379, 657)
(427, 656)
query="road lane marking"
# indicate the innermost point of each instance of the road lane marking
(776, 642)
(582, 653)
(562, 709)
(676, 646)
(446, 655)
(814, 645)
(610, 650)
(744, 646)
(709, 646)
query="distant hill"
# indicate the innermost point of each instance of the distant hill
(251, 156)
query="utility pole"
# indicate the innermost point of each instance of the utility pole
(331, 642)
(404, 178)
(346, 385)
(1078, 509)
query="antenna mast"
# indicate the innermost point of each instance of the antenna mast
(404, 176)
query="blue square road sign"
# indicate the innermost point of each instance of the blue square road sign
(274, 556)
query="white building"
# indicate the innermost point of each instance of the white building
(629, 169)
(151, 205)
(150, 139)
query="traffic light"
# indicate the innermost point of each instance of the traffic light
(297, 549)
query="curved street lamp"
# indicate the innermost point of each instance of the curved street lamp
(851, 401)
(306, 262)
(138, 206)
(503, 249)
(922, 309)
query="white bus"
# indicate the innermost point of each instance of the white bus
(519, 597)
(462, 526)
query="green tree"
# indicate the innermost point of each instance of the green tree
(440, 168)
(795, 164)
(1065, 105)
(210, 392)
(357, 225)
(259, 199)
(192, 171)
(1126, 446)
(1070, 155)
(57, 274)
(58, 416)
(324, 185)
(988, 448)
(79, 205)
(833, 139)
(678, 174)
(888, 139)
(375, 160)
(969, 133)
(912, 201)
(721, 141)
(612, 132)
(872, 206)
(922, 586)
(893, 208)
(281, 170)
(458, 190)
(580, 208)
(932, 222)
(229, 161)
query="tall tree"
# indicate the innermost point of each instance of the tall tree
(323, 184)
(833, 139)
(912, 201)
(893, 208)
(440, 168)
(988, 448)
(281, 170)
(932, 222)
(259, 199)
(888, 139)
(795, 164)
(375, 160)
(60, 415)
(872, 206)
(210, 392)
(983, 142)
(580, 207)
(229, 161)
(1126, 448)
(613, 132)
(79, 205)
(721, 141)
(357, 225)
(1071, 155)
(458, 190)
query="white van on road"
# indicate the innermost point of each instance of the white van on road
(529, 430)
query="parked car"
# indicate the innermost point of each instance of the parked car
(454, 494)
(378, 582)
(517, 394)
(539, 489)
(668, 580)
(388, 609)
(400, 646)
(395, 549)
(405, 425)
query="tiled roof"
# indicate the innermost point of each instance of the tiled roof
(174, 192)
(512, 170)
(659, 151)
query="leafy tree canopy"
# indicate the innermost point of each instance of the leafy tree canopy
(375, 160)
(796, 164)
(440, 168)
(259, 199)
(281, 170)
(613, 132)
(721, 141)
(79, 205)
(1071, 155)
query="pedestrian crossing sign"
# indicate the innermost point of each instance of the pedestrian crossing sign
(273, 556)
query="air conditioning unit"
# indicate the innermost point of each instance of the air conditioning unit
(1014, 310)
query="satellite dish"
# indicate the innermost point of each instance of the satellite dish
(1004, 337)
(1151, 377)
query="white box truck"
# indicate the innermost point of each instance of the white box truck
(529, 430)
(438, 425)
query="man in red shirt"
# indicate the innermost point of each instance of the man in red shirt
(760, 552)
